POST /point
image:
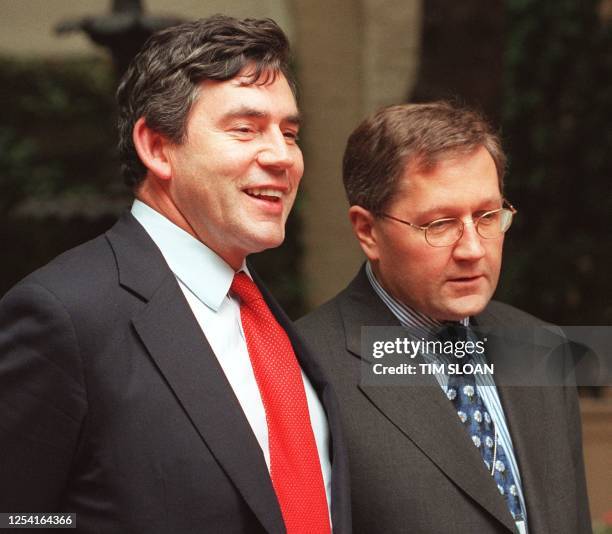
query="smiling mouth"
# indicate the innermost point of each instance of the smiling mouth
(270, 195)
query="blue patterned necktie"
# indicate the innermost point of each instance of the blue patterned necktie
(462, 392)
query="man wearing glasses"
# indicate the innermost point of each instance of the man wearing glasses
(425, 187)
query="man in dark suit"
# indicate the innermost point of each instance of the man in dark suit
(444, 453)
(148, 382)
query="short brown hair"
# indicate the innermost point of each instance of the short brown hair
(162, 82)
(416, 135)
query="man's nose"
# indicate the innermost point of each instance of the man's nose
(469, 247)
(276, 153)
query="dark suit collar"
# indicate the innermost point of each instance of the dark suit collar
(140, 264)
(206, 274)
(422, 413)
(169, 331)
(360, 306)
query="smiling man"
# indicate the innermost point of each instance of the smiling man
(148, 382)
(444, 453)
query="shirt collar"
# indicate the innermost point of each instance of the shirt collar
(407, 316)
(203, 271)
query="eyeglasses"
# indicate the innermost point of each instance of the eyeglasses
(446, 232)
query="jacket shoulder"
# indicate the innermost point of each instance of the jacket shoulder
(323, 330)
(82, 283)
(326, 316)
(88, 263)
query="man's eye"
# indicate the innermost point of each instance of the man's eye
(489, 218)
(441, 226)
(293, 136)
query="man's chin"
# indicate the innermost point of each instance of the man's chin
(267, 240)
(463, 307)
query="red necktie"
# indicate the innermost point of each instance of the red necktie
(295, 469)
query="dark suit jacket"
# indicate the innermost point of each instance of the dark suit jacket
(413, 467)
(113, 405)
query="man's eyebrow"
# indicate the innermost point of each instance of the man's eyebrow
(428, 210)
(294, 119)
(246, 112)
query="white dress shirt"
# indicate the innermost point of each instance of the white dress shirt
(205, 280)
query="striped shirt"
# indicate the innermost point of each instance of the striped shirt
(422, 325)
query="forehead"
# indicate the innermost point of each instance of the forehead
(453, 179)
(270, 94)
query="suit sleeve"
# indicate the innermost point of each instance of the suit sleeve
(42, 399)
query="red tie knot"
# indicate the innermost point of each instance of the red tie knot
(245, 288)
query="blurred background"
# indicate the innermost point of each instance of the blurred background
(541, 70)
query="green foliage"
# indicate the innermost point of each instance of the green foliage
(557, 110)
(57, 130)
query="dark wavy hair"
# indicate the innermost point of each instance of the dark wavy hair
(162, 82)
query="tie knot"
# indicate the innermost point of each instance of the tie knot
(245, 288)
(453, 331)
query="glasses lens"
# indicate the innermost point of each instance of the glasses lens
(494, 223)
(444, 232)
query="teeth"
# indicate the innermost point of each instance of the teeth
(264, 192)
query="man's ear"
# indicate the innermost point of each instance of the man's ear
(363, 223)
(152, 150)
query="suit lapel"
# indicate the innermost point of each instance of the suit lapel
(183, 356)
(531, 433)
(527, 410)
(425, 417)
(422, 413)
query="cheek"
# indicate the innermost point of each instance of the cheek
(288, 205)
(419, 268)
(434, 262)
(432, 273)
(494, 254)
(296, 172)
